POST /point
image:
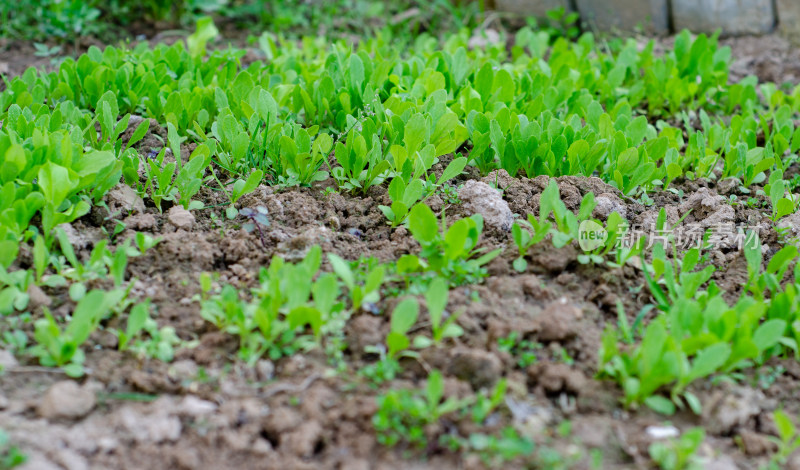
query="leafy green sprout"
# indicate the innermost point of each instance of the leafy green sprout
(442, 328)
(447, 252)
(10, 455)
(523, 350)
(403, 415)
(788, 439)
(679, 454)
(160, 344)
(57, 347)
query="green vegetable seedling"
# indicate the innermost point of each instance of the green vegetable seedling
(436, 299)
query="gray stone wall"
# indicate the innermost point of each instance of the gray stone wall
(733, 17)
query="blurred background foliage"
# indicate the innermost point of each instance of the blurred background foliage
(66, 20)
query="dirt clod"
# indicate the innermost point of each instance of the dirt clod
(303, 440)
(66, 400)
(476, 366)
(152, 425)
(180, 218)
(559, 321)
(123, 199)
(555, 378)
(724, 412)
(756, 444)
(608, 203)
(38, 298)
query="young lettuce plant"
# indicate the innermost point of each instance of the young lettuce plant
(567, 223)
(615, 226)
(788, 439)
(404, 415)
(692, 340)
(532, 233)
(362, 165)
(405, 195)
(286, 302)
(14, 290)
(769, 280)
(679, 454)
(404, 316)
(781, 205)
(368, 292)
(163, 184)
(448, 252)
(436, 300)
(61, 348)
(161, 343)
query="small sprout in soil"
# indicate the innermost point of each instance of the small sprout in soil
(678, 454)
(10, 455)
(258, 219)
(523, 350)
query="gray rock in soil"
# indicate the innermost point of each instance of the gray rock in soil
(180, 218)
(478, 197)
(66, 400)
(734, 17)
(626, 15)
(608, 203)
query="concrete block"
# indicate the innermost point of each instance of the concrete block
(734, 17)
(789, 19)
(536, 8)
(625, 15)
